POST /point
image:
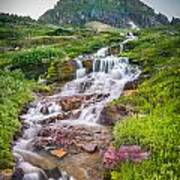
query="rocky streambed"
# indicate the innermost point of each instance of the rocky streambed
(64, 135)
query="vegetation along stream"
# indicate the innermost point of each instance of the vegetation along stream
(66, 125)
(90, 91)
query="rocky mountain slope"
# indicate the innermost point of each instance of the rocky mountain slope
(118, 13)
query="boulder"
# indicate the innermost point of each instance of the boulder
(71, 103)
(18, 174)
(53, 173)
(112, 113)
(131, 85)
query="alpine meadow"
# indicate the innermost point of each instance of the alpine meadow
(90, 91)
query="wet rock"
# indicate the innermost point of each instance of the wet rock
(85, 85)
(53, 173)
(53, 118)
(43, 143)
(74, 139)
(71, 103)
(31, 172)
(90, 148)
(18, 174)
(74, 102)
(45, 109)
(88, 64)
(112, 113)
(131, 85)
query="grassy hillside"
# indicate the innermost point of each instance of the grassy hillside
(156, 125)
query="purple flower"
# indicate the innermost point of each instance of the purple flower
(110, 158)
(133, 153)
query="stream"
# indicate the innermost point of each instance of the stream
(62, 138)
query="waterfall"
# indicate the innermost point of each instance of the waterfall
(94, 90)
(81, 71)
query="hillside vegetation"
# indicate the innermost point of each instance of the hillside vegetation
(31, 52)
(156, 125)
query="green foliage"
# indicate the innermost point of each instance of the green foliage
(34, 62)
(61, 32)
(156, 126)
(14, 92)
(15, 19)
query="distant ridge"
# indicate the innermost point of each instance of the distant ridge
(117, 13)
(6, 18)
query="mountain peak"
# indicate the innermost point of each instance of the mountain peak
(117, 13)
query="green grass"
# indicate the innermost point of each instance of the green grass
(15, 91)
(156, 126)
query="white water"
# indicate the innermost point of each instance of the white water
(133, 25)
(107, 80)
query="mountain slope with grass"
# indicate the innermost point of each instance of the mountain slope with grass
(155, 126)
(117, 13)
(32, 53)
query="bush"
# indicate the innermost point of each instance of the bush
(14, 92)
(35, 62)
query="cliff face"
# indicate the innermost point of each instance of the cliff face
(118, 13)
(175, 21)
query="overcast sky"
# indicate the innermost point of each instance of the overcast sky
(35, 8)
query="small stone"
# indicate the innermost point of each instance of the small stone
(59, 152)
(90, 148)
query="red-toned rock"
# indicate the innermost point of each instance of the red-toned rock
(74, 139)
(71, 103)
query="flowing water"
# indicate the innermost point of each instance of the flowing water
(105, 83)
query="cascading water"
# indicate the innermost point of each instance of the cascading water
(102, 85)
(80, 71)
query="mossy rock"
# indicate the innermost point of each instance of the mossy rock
(61, 71)
(88, 64)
